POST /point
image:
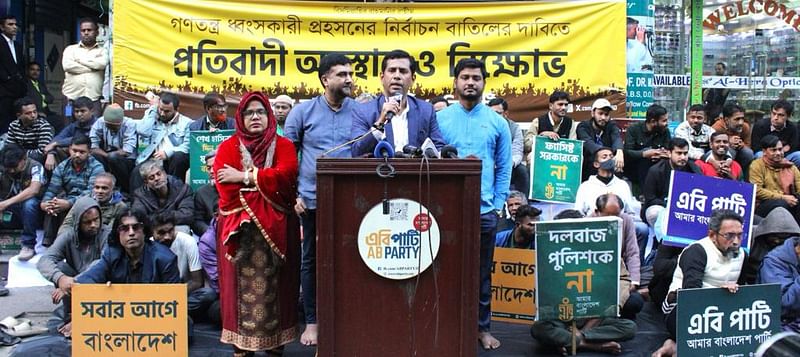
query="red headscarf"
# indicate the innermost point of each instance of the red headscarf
(256, 144)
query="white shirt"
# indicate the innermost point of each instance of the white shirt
(84, 71)
(185, 248)
(399, 129)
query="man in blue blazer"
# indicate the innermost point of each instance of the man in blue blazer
(401, 122)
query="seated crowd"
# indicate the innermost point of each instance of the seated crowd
(110, 195)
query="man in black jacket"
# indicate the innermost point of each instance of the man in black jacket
(656, 185)
(205, 199)
(597, 133)
(164, 193)
(646, 143)
(12, 69)
(779, 125)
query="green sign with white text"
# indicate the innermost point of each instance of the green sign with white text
(556, 169)
(578, 261)
(200, 144)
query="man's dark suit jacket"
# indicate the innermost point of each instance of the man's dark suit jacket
(421, 118)
(12, 79)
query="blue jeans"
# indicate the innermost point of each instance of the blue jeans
(308, 267)
(25, 215)
(488, 226)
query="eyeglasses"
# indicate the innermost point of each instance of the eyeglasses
(219, 107)
(124, 228)
(731, 236)
(249, 113)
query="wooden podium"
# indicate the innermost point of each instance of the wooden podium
(363, 314)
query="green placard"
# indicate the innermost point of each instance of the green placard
(715, 322)
(697, 53)
(200, 144)
(578, 264)
(556, 169)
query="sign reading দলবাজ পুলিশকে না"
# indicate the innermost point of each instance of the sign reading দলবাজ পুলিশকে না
(401, 244)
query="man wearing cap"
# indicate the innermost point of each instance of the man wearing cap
(401, 122)
(216, 117)
(205, 199)
(281, 106)
(600, 132)
(113, 141)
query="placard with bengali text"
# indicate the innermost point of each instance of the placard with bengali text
(200, 144)
(514, 285)
(555, 169)
(129, 320)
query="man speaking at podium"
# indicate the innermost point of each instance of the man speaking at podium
(395, 117)
(477, 131)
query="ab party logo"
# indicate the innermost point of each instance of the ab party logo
(401, 244)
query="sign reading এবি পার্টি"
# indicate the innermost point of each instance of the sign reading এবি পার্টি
(401, 244)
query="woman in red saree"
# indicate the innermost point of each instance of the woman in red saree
(258, 240)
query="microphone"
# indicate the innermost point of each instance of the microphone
(412, 151)
(383, 149)
(397, 97)
(429, 149)
(449, 152)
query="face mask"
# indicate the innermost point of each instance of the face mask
(608, 165)
(219, 118)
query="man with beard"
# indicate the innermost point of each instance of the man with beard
(167, 137)
(113, 140)
(72, 178)
(281, 106)
(602, 183)
(714, 261)
(777, 179)
(84, 66)
(407, 121)
(74, 250)
(216, 117)
(695, 131)
(738, 130)
(779, 125)
(109, 201)
(464, 125)
(521, 236)
(656, 185)
(646, 143)
(164, 193)
(725, 166)
(600, 132)
(317, 126)
(554, 124)
(21, 181)
(29, 131)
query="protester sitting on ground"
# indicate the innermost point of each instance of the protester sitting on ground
(109, 201)
(38, 92)
(714, 261)
(603, 182)
(130, 258)
(521, 236)
(185, 248)
(515, 200)
(163, 193)
(735, 125)
(782, 266)
(216, 116)
(646, 143)
(74, 250)
(658, 181)
(207, 247)
(599, 132)
(777, 179)
(719, 162)
(206, 199)
(630, 301)
(21, 182)
(770, 233)
(778, 124)
(555, 124)
(29, 131)
(71, 179)
(58, 149)
(695, 131)
(597, 334)
(114, 143)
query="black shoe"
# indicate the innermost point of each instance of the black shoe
(3, 291)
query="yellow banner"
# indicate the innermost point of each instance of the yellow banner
(129, 320)
(530, 48)
(514, 285)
